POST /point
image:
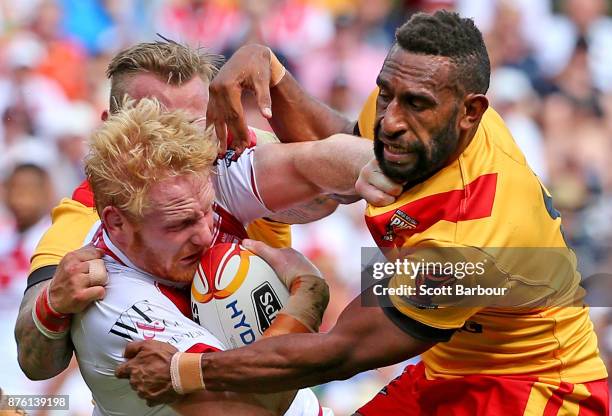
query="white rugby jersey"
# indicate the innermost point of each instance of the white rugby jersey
(237, 200)
(140, 306)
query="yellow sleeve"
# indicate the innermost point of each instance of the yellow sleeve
(71, 223)
(272, 233)
(275, 234)
(264, 136)
(368, 116)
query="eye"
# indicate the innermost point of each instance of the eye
(176, 227)
(417, 103)
(383, 100)
(180, 226)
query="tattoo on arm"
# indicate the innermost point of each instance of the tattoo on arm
(316, 209)
(39, 357)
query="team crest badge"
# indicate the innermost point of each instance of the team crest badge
(398, 222)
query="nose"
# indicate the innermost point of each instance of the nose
(393, 123)
(203, 234)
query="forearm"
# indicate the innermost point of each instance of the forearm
(316, 209)
(291, 175)
(275, 364)
(297, 116)
(333, 165)
(363, 339)
(39, 357)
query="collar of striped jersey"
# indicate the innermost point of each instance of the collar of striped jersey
(102, 241)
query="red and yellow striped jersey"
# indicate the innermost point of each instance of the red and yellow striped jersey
(490, 203)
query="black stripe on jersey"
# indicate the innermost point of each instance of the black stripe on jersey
(40, 275)
(125, 335)
(412, 327)
(121, 334)
(141, 313)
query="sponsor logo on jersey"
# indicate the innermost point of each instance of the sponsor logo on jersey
(141, 321)
(399, 221)
(267, 305)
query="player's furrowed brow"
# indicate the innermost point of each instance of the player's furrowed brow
(425, 98)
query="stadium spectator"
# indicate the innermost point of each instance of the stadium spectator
(64, 58)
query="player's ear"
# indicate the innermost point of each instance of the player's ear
(115, 222)
(474, 107)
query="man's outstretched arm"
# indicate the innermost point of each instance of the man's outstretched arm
(293, 114)
(298, 116)
(293, 173)
(364, 338)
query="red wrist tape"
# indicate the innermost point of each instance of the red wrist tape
(49, 322)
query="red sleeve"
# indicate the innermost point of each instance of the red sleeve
(252, 138)
(202, 348)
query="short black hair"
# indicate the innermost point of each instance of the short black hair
(447, 34)
(32, 167)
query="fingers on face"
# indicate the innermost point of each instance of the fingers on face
(221, 133)
(377, 198)
(386, 185)
(236, 123)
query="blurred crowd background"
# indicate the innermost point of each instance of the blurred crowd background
(551, 81)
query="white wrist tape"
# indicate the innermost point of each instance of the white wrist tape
(186, 372)
(277, 70)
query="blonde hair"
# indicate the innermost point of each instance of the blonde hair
(170, 61)
(140, 145)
